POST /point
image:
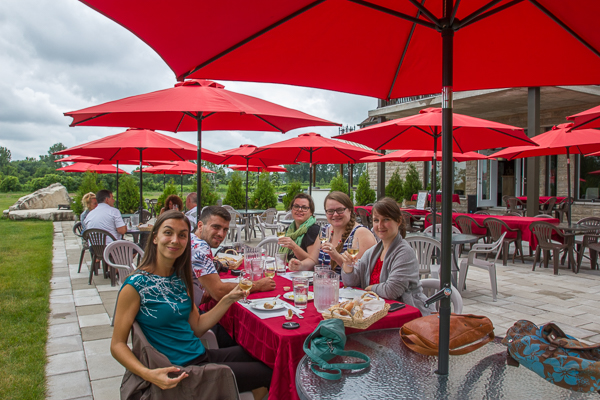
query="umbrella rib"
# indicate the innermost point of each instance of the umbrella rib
(479, 14)
(426, 12)
(412, 30)
(88, 119)
(512, 136)
(584, 123)
(180, 121)
(394, 13)
(454, 12)
(251, 38)
(267, 122)
(173, 151)
(392, 138)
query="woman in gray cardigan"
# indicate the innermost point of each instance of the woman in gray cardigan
(389, 268)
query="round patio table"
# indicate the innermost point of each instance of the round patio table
(396, 372)
(249, 214)
(571, 231)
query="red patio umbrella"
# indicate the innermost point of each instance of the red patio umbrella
(86, 167)
(195, 105)
(177, 168)
(257, 168)
(312, 148)
(423, 155)
(586, 119)
(291, 42)
(560, 139)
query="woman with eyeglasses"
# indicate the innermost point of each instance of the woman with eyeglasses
(301, 240)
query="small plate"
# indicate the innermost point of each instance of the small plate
(290, 296)
(301, 274)
(260, 305)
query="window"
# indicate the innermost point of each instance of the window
(460, 178)
(551, 166)
(589, 174)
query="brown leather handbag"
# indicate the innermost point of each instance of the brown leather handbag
(468, 332)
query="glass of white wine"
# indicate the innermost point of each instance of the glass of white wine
(325, 234)
(353, 249)
(270, 268)
(246, 284)
(281, 231)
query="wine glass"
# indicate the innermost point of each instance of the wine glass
(270, 268)
(281, 231)
(353, 249)
(246, 284)
(324, 234)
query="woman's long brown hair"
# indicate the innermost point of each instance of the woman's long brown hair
(183, 264)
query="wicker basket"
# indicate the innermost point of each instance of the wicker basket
(353, 322)
(147, 228)
(231, 262)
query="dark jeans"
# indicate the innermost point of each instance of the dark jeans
(249, 373)
(223, 338)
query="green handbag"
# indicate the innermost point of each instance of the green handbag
(326, 342)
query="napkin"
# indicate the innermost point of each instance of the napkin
(270, 314)
(371, 307)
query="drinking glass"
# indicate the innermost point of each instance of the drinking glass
(353, 249)
(280, 262)
(175, 207)
(300, 292)
(270, 268)
(135, 220)
(238, 247)
(325, 234)
(326, 284)
(281, 231)
(246, 283)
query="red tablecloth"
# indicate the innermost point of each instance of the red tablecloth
(416, 212)
(438, 198)
(543, 199)
(282, 349)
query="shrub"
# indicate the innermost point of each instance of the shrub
(10, 184)
(235, 196)
(209, 195)
(364, 193)
(170, 189)
(293, 189)
(412, 184)
(129, 195)
(264, 196)
(89, 183)
(395, 187)
(338, 183)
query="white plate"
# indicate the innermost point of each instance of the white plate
(260, 305)
(350, 293)
(290, 296)
(301, 274)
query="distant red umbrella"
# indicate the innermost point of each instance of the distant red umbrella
(98, 169)
(257, 168)
(312, 148)
(423, 155)
(177, 168)
(586, 119)
(98, 161)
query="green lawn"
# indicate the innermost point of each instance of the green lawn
(25, 271)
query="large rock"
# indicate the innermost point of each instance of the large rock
(49, 197)
(46, 214)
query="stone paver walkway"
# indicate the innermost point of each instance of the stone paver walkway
(80, 365)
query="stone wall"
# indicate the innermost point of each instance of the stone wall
(390, 168)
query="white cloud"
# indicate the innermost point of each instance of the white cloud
(60, 56)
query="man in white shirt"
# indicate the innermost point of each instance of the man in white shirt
(105, 216)
(191, 202)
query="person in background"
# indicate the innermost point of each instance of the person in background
(389, 268)
(89, 202)
(191, 204)
(106, 216)
(159, 298)
(173, 202)
(301, 241)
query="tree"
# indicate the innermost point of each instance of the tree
(5, 156)
(129, 195)
(338, 183)
(209, 195)
(10, 184)
(49, 159)
(89, 183)
(395, 187)
(364, 193)
(235, 196)
(294, 188)
(276, 179)
(412, 183)
(264, 196)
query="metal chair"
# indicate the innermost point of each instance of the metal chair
(496, 227)
(465, 224)
(96, 239)
(427, 250)
(270, 245)
(544, 233)
(431, 285)
(77, 230)
(585, 240)
(473, 261)
(365, 217)
(548, 206)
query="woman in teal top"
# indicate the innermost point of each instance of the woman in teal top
(159, 299)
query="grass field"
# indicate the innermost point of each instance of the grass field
(25, 271)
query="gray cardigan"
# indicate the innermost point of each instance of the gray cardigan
(399, 274)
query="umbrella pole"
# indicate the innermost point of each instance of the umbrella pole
(199, 168)
(569, 185)
(141, 184)
(311, 175)
(447, 184)
(246, 185)
(164, 182)
(434, 182)
(117, 201)
(349, 183)
(181, 184)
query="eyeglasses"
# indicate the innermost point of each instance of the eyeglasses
(296, 207)
(338, 211)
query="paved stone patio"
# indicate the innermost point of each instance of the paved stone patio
(80, 365)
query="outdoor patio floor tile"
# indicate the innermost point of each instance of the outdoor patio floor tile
(61, 330)
(85, 292)
(62, 318)
(61, 292)
(66, 362)
(65, 344)
(94, 320)
(86, 301)
(62, 307)
(107, 389)
(107, 288)
(61, 299)
(102, 366)
(88, 310)
(96, 332)
(69, 386)
(594, 325)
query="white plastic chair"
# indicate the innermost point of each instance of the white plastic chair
(235, 226)
(267, 221)
(438, 229)
(270, 245)
(431, 285)
(425, 249)
(490, 266)
(321, 221)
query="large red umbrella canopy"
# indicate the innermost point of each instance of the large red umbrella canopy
(176, 168)
(423, 155)
(97, 161)
(423, 131)
(241, 155)
(257, 168)
(586, 119)
(86, 167)
(303, 42)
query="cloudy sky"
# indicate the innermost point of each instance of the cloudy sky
(60, 55)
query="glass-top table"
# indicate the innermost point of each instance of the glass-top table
(396, 372)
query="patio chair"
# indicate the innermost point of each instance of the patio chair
(584, 241)
(96, 239)
(496, 227)
(548, 206)
(546, 234)
(270, 245)
(321, 221)
(236, 225)
(77, 230)
(505, 200)
(482, 212)
(543, 216)
(284, 215)
(465, 224)
(473, 261)
(427, 250)
(513, 214)
(409, 222)
(119, 256)
(438, 229)
(431, 285)
(517, 206)
(145, 216)
(365, 217)
(266, 221)
(563, 209)
(429, 218)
